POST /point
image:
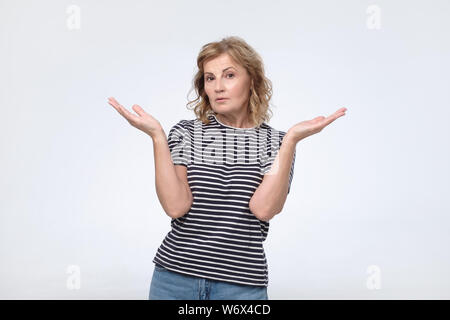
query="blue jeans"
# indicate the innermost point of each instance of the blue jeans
(170, 285)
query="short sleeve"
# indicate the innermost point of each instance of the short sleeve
(178, 143)
(267, 165)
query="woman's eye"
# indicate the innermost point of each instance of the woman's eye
(230, 74)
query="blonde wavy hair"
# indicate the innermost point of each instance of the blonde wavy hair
(243, 54)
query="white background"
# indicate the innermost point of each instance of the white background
(77, 181)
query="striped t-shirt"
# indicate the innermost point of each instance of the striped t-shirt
(219, 237)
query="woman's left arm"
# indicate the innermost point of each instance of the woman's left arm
(270, 196)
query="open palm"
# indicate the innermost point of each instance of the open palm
(142, 121)
(309, 127)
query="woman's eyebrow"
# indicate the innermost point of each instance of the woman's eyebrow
(222, 70)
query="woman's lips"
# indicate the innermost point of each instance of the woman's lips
(221, 100)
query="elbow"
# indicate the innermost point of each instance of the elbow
(258, 212)
(261, 215)
(263, 212)
(265, 215)
(180, 210)
(176, 213)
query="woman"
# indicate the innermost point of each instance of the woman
(221, 177)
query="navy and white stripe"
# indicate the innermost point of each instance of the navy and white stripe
(219, 238)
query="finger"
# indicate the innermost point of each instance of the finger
(317, 119)
(117, 106)
(113, 103)
(321, 122)
(122, 110)
(337, 114)
(138, 110)
(331, 118)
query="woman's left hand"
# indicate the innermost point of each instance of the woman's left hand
(309, 127)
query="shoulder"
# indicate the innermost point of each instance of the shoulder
(273, 133)
(271, 128)
(184, 127)
(184, 124)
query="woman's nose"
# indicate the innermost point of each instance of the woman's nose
(219, 86)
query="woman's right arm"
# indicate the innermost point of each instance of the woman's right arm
(172, 186)
(171, 182)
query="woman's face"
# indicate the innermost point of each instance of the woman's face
(225, 78)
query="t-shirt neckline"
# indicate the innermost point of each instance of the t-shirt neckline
(235, 128)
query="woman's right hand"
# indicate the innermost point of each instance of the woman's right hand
(143, 121)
